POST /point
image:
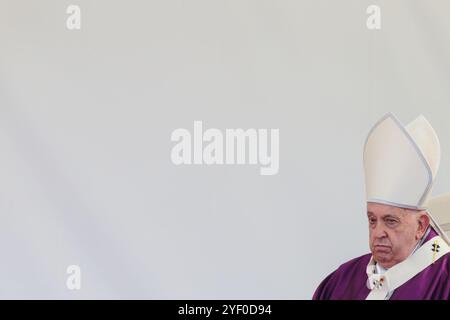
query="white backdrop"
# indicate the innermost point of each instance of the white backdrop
(86, 116)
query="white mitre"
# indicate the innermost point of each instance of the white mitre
(401, 163)
(439, 210)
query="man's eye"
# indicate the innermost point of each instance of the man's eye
(391, 221)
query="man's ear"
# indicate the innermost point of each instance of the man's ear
(424, 222)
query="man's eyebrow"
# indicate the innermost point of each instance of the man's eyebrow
(387, 216)
(391, 216)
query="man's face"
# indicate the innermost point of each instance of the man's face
(394, 232)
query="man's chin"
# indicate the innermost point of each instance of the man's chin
(381, 256)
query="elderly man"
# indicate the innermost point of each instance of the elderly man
(409, 247)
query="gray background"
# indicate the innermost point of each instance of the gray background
(86, 118)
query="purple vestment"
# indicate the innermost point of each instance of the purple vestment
(349, 281)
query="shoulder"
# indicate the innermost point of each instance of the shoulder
(445, 264)
(356, 262)
(350, 268)
(342, 275)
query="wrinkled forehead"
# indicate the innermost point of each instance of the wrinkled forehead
(379, 209)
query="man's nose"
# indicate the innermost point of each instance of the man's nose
(379, 231)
